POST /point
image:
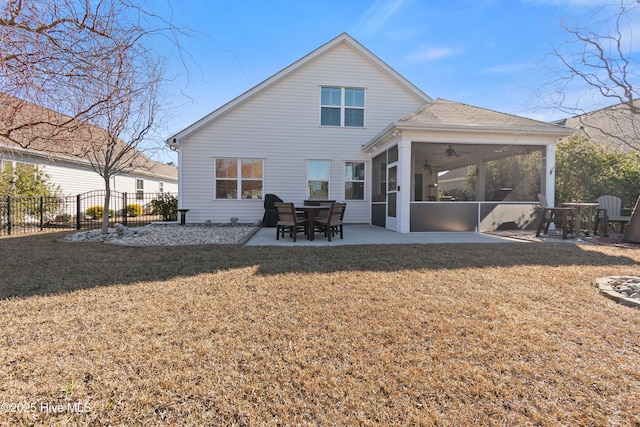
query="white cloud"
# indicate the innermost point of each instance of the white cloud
(426, 53)
(374, 18)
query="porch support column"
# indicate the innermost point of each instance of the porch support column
(481, 179)
(403, 214)
(549, 174)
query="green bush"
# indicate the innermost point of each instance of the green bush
(167, 206)
(95, 212)
(65, 217)
(134, 209)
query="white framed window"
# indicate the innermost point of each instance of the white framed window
(354, 173)
(238, 178)
(161, 187)
(139, 189)
(341, 106)
(318, 179)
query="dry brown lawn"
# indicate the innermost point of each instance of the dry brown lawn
(434, 335)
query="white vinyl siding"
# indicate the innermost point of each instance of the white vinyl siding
(280, 125)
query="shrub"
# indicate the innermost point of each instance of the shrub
(65, 217)
(167, 206)
(95, 212)
(134, 209)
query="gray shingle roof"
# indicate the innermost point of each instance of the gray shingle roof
(616, 125)
(444, 112)
(60, 138)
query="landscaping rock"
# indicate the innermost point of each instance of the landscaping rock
(167, 235)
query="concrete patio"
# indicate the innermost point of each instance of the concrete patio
(365, 234)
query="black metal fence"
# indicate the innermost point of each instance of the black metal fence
(20, 215)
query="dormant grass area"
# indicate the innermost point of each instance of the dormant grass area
(434, 335)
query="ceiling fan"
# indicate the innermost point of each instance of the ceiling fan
(428, 166)
(451, 152)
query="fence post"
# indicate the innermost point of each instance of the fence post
(124, 209)
(41, 213)
(9, 215)
(78, 212)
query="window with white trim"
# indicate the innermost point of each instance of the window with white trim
(318, 179)
(160, 187)
(354, 180)
(139, 189)
(341, 106)
(238, 178)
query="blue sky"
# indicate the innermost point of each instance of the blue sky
(489, 53)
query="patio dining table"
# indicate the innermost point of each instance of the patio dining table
(579, 208)
(310, 213)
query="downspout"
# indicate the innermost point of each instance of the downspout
(176, 146)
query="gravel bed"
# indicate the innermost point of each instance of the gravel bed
(167, 235)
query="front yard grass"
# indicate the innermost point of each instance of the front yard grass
(435, 335)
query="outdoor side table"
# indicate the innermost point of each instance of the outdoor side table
(183, 214)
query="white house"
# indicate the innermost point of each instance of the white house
(73, 174)
(341, 124)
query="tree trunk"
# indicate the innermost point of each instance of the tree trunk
(107, 199)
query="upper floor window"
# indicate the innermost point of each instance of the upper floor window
(238, 179)
(341, 106)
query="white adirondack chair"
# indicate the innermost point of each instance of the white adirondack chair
(610, 210)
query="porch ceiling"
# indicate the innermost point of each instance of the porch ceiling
(452, 156)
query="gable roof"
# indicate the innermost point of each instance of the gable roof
(59, 138)
(343, 38)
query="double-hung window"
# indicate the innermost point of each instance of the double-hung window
(354, 181)
(238, 179)
(139, 189)
(318, 179)
(341, 106)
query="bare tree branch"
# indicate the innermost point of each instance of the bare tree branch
(599, 57)
(90, 65)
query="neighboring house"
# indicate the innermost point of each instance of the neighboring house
(73, 174)
(454, 180)
(341, 124)
(616, 126)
